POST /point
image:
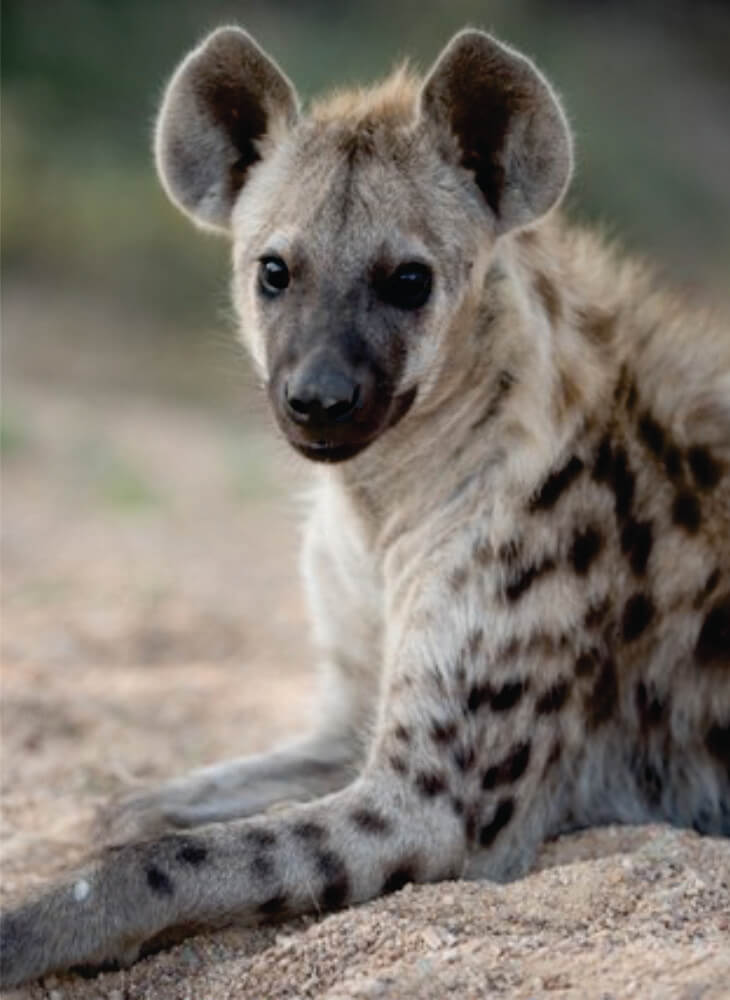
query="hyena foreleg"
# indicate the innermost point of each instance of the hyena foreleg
(369, 838)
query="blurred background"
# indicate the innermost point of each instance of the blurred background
(144, 519)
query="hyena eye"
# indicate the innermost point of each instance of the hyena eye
(409, 286)
(273, 275)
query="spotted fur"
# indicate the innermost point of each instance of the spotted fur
(520, 579)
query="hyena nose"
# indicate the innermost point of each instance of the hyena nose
(321, 395)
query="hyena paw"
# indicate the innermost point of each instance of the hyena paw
(32, 944)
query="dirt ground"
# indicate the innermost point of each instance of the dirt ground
(152, 622)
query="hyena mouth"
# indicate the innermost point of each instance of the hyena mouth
(332, 451)
(328, 451)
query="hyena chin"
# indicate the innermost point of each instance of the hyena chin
(518, 562)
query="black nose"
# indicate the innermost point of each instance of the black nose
(321, 394)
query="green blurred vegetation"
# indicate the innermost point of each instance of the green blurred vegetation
(647, 86)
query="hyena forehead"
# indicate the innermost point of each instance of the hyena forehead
(354, 190)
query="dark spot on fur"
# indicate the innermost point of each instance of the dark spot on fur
(549, 296)
(502, 816)
(637, 539)
(273, 906)
(651, 709)
(686, 511)
(717, 742)
(522, 583)
(337, 884)
(399, 765)
(478, 695)
(509, 651)
(397, 879)
(430, 784)
(705, 469)
(621, 387)
(569, 392)
(308, 831)
(638, 614)
(483, 553)
(259, 838)
(601, 702)
(604, 461)
(596, 613)
(329, 864)
(458, 578)
(457, 805)
(464, 758)
(556, 484)
(586, 546)
(508, 770)
(489, 778)
(335, 894)
(553, 699)
(597, 325)
(556, 752)
(651, 434)
(158, 881)
(470, 824)
(710, 583)
(587, 662)
(262, 866)
(510, 551)
(357, 145)
(370, 821)
(673, 461)
(192, 854)
(632, 396)
(507, 696)
(401, 733)
(713, 642)
(623, 483)
(648, 779)
(443, 732)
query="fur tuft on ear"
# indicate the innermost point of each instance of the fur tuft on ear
(225, 96)
(510, 129)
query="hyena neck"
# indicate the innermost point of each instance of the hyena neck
(531, 363)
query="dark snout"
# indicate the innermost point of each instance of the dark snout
(331, 406)
(328, 406)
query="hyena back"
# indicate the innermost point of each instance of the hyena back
(518, 555)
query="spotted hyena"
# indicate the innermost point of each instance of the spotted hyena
(518, 554)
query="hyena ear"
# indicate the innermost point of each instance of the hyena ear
(224, 98)
(507, 123)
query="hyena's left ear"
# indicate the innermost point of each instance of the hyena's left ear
(508, 126)
(223, 100)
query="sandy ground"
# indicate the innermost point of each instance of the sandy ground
(152, 622)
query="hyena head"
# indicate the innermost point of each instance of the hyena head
(361, 228)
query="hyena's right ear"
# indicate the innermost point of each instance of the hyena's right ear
(224, 98)
(509, 128)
